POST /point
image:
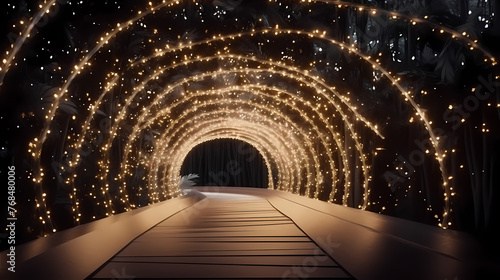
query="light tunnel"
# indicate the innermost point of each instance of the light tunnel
(240, 108)
(257, 95)
(319, 132)
(374, 124)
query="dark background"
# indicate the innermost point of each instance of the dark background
(226, 162)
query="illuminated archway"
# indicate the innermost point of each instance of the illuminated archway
(317, 137)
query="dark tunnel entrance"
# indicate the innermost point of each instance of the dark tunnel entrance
(226, 162)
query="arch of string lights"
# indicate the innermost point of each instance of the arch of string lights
(313, 134)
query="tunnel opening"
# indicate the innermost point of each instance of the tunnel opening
(226, 162)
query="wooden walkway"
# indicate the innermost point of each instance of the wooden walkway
(226, 236)
(245, 233)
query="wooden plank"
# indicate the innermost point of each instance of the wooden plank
(283, 260)
(275, 230)
(225, 238)
(183, 271)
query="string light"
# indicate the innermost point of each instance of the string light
(296, 132)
